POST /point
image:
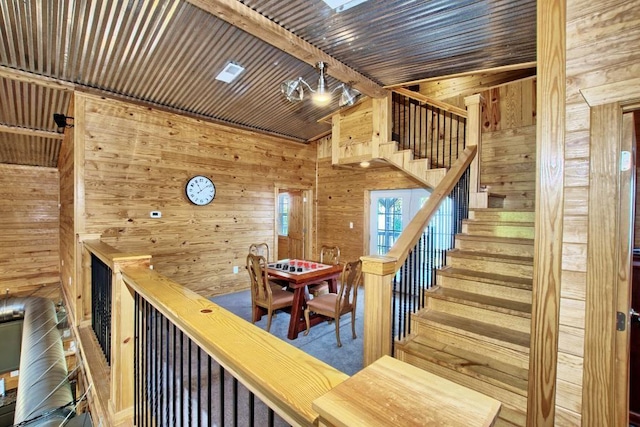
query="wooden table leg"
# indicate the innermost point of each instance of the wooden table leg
(296, 312)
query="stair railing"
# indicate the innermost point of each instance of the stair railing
(431, 129)
(417, 273)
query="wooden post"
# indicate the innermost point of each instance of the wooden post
(477, 199)
(82, 294)
(122, 343)
(382, 124)
(378, 272)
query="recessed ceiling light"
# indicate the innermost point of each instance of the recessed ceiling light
(342, 5)
(229, 72)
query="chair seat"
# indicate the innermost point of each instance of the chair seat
(280, 298)
(319, 289)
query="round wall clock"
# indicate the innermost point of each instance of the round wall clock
(200, 190)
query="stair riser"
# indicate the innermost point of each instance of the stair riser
(515, 323)
(422, 326)
(499, 353)
(492, 215)
(488, 289)
(490, 266)
(491, 390)
(497, 230)
(503, 248)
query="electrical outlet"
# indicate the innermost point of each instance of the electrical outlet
(155, 214)
(235, 269)
(350, 225)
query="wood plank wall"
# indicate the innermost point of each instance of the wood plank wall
(138, 160)
(342, 197)
(29, 222)
(508, 158)
(596, 31)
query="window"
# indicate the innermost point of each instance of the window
(283, 214)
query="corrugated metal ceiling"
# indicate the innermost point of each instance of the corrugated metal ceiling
(168, 52)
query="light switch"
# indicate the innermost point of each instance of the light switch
(350, 224)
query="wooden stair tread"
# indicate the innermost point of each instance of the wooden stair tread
(479, 276)
(496, 333)
(500, 222)
(510, 259)
(501, 210)
(482, 301)
(476, 365)
(496, 239)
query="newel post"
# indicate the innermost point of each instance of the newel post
(123, 341)
(378, 272)
(474, 137)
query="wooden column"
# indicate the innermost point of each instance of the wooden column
(382, 124)
(83, 281)
(550, 170)
(122, 342)
(378, 272)
(477, 199)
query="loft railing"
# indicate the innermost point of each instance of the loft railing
(179, 359)
(417, 273)
(101, 304)
(430, 129)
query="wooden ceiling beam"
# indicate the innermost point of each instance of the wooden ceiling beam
(30, 132)
(250, 21)
(26, 77)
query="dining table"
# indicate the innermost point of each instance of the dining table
(299, 274)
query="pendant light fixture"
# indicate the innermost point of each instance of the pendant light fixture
(321, 96)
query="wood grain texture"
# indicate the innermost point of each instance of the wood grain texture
(284, 377)
(595, 33)
(602, 267)
(29, 224)
(549, 213)
(137, 160)
(400, 394)
(341, 199)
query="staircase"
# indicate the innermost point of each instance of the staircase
(474, 329)
(419, 169)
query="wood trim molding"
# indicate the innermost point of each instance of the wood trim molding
(623, 92)
(598, 396)
(252, 22)
(32, 78)
(547, 273)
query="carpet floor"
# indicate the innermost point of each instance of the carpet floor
(321, 341)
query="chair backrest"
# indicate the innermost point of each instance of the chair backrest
(330, 255)
(260, 249)
(350, 280)
(257, 268)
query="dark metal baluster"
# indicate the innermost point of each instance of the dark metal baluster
(181, 377)
(209, 393)
(174, 393)
(270, 421)
(221, 395)
(235, 401)
(199, 382)
(251, 409)
(189, 374)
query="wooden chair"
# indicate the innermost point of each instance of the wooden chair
(328, 255)
(262, 249)
(333, 305)
(262, 294)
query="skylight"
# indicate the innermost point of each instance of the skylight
(342, 5)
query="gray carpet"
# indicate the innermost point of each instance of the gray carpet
(321, 341)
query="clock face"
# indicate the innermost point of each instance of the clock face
(200, 190)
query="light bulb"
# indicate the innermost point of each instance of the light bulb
(321, 98)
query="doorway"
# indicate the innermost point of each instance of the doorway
(390, 211)
(293, 213)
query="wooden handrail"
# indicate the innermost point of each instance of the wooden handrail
(412, 232)
(461, 112)
(284, 377)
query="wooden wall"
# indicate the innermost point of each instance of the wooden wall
(29, 221)
(596, 33)
(342, 197)
(138, 160)
(508, 157)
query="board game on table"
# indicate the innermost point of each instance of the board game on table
(297, 266)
